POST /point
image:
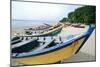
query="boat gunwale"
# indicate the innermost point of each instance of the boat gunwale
(66, 44)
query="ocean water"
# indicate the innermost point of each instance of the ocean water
(26, 23)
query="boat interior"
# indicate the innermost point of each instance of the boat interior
(31, 45)
(37, 44)
(36, 32)
(27, 44)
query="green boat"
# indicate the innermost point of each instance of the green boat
(50, 32)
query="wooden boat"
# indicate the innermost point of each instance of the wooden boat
(75, 25)
(50, 32)
(41, 27)
(78, 25)
(54, 51)
(81, 26)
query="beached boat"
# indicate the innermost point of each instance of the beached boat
(50, 32)
(52, 50)
(40, 27)
(78, 25)
(75, 25)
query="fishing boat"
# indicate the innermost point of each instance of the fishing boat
(75, 25)
(40, 27)
(78, 25)
(52, 49)
(54, 30)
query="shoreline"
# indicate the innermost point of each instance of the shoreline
(21, 29)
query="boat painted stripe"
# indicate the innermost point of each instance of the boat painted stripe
(67, 44)
(45, 33)
(87, 36)
(50, 50)
(52, 57)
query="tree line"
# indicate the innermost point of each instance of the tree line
(85, 15)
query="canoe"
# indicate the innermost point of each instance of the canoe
(78, 25)
(75, 25)
(56, 52)
(40, 27)
(51, 31)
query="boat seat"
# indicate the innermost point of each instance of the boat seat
(25, 47)
(47, 39)
(16, 41)
(24, 38)
(58, 39)
(22, 43)
(44, 45)
(15, 38)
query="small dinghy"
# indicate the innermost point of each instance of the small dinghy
(50, 49)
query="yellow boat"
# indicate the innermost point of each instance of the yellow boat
(56, 52)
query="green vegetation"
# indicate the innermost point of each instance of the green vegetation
(64, 19)
(86, 15)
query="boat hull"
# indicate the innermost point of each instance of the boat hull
(48, 33)
(52, 56)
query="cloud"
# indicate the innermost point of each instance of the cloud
(40, 11)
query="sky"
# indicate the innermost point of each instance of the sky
(40, 11)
